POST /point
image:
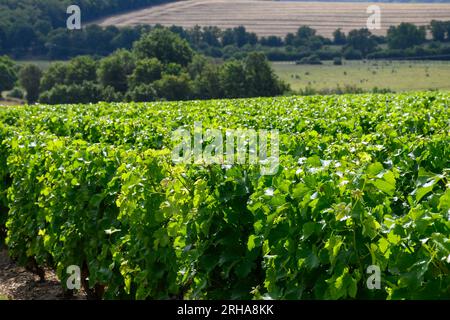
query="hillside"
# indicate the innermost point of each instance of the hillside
(52, 13)
(279, 17)
(372, 1)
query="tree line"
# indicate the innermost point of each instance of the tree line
(160, 66)
(26, 25)
(403, 41)
(30, 28)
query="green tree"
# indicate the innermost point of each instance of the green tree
(171, 87)
(30, 77)
(197, 65)
(241, 37)
(43, 27)
(99, 39)
(146, 71)
(305, 32)
(447, 25)
(80, 69)
(361, 40)
(260, 78)
(207, 84)
(84, 92)
(211, 35)
(306, 37)
(8, 75)
(195, 36)
(164, 45)
(227, 37)
(54, 75)
(271, 41)
(339, 37)
(233, 80)
(76, 71)
(173, 68)
(405, 35)
(142, 93)
(59, 44)
(23, 36)
(438, 30)
(289, 39)
(350, 53)
(125, 38)
(114, 70)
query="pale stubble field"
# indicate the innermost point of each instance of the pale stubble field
(265, 17)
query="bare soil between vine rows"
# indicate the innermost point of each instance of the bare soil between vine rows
(17, 283)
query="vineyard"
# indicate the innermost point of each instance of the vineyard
(363, 181)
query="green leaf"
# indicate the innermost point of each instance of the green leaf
(387, 184)
(393, 238)
(370, 227)
(352, 286)
(253, 242)
(421, 192)
(308, 229)
(384, 246)
(375, 168)
(312, 261)
(333, 245)
(444, 201)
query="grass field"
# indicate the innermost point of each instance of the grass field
(279, 17)
(43, 64)
(397, 76)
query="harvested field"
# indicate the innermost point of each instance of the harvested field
(280, 17)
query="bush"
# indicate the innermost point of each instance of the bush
(312, 59)
(29, 78)
(8, 75)
(347, 89)
(381, 90)
(308, 91)
(352, 54)
(171, 87)
(80, 93)
(142, 93)
(164, 45)
(337, 61)
(146, 71)
(328, 54)
(16, 93)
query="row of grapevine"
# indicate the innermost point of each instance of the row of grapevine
(363, 181)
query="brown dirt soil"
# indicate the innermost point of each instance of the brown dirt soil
(16, 283)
